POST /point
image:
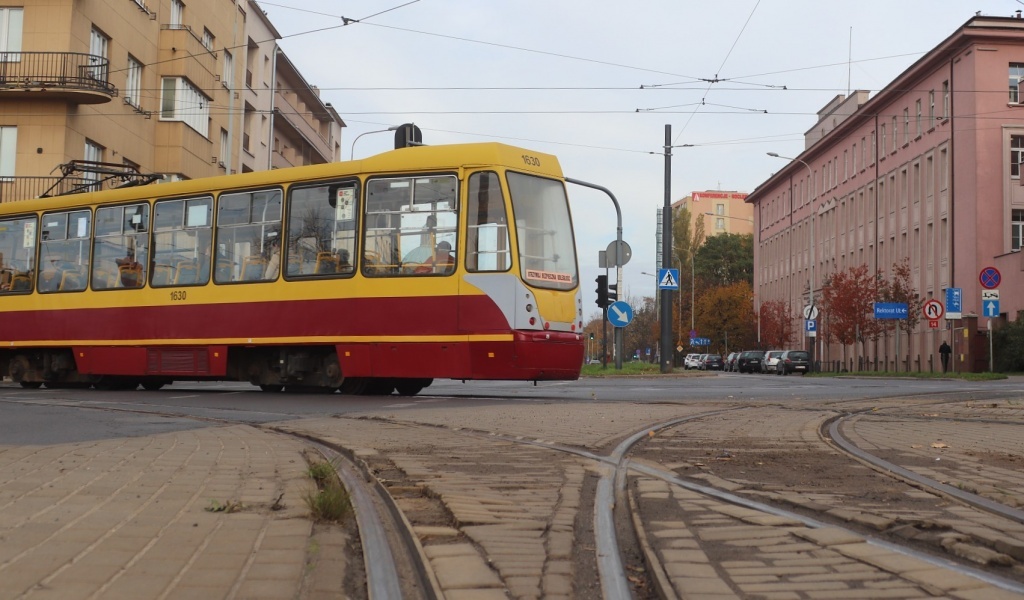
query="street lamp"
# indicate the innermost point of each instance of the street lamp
(810, 183)
(352, 154)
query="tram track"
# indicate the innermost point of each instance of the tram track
(618, 507)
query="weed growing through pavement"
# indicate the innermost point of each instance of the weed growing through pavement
(329, 501)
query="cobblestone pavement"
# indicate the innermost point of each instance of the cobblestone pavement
(218, 512)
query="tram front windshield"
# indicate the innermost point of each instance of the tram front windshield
(547, 250)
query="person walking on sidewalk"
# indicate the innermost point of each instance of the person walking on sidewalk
(944, 352)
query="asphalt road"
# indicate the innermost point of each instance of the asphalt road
(66, 415)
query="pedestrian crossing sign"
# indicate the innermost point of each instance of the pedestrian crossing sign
(668, 279)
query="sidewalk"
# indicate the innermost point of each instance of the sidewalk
(190, 514)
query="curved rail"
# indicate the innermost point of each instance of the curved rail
(974, 500)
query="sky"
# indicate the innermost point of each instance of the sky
(595, 82)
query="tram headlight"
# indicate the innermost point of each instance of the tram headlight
(529, 308)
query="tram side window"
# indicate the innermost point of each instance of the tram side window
(487, 241)
(322, 225)
(64, 251)
(17, 254)
(410, 226)
(182, 238)
(248, 236)
(121, 247)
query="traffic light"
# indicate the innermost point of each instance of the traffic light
(613, 293)
(602, 290)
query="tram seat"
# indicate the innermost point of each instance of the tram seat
(5, 278)
(326, 262)
(252, 268)
(103, 279)
(70, 281)
(224, 268)
(186, 273)
(163, 275)
(131, 275)
(21, 283)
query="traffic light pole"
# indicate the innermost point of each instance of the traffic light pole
(618, 260)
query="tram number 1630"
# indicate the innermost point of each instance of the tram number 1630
(533, 161)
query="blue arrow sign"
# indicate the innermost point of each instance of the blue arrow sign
(698, 341)
(620, 313)
(991, 308)
(668, 279)
(890, 310)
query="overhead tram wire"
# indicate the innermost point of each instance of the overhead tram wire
(722, 66)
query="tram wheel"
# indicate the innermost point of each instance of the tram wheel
(380, 387)
(31, 385)
(271, 388)
(152, 386)
(352, 386)
(411, 387)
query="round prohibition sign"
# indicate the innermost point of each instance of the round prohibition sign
(990, 278)
(933, 310)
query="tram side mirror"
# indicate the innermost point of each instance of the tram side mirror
(408, 135)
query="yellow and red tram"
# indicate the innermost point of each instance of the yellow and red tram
(369, 276)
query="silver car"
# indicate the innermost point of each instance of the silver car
(771, 361)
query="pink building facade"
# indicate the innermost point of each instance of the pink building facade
(928, 170)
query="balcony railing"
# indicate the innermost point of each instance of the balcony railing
(13, 189)
(55, 70)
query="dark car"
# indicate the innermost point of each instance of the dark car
(713, 362)
(794, 361)
(750, 361)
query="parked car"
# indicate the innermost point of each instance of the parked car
(770, 361)
(690, 362)
(730, 361)
(749, 361)
(794, 361)
(713, 362)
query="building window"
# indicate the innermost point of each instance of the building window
(931, 108)
(181, 101)
(10, 31)
(228, 77)
(207, 39)
(883, 136)
(8, 148)
(133, 85)
(1017, 228)
(1016, 154)
(224, 148)
(919, 117)
(177, 13)
(945, 99)
(719, 224)
(906, 125)
(93, 152)
(895, 125)
(1016, 74)
(98, 44)
(719, 209)
(874, 147)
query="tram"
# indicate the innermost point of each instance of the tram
(368, 276)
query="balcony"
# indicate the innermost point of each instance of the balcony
(13, 189)
(70, 76)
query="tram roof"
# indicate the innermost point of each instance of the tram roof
(422, 159)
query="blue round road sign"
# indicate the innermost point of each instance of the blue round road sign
(620, 313)
(990, 278)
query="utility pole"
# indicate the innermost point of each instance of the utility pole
(666, 258)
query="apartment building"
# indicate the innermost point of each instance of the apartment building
(927, 170)
(722, 211)
(183, 90)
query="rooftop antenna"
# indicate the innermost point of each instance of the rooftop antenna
(849, 63)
